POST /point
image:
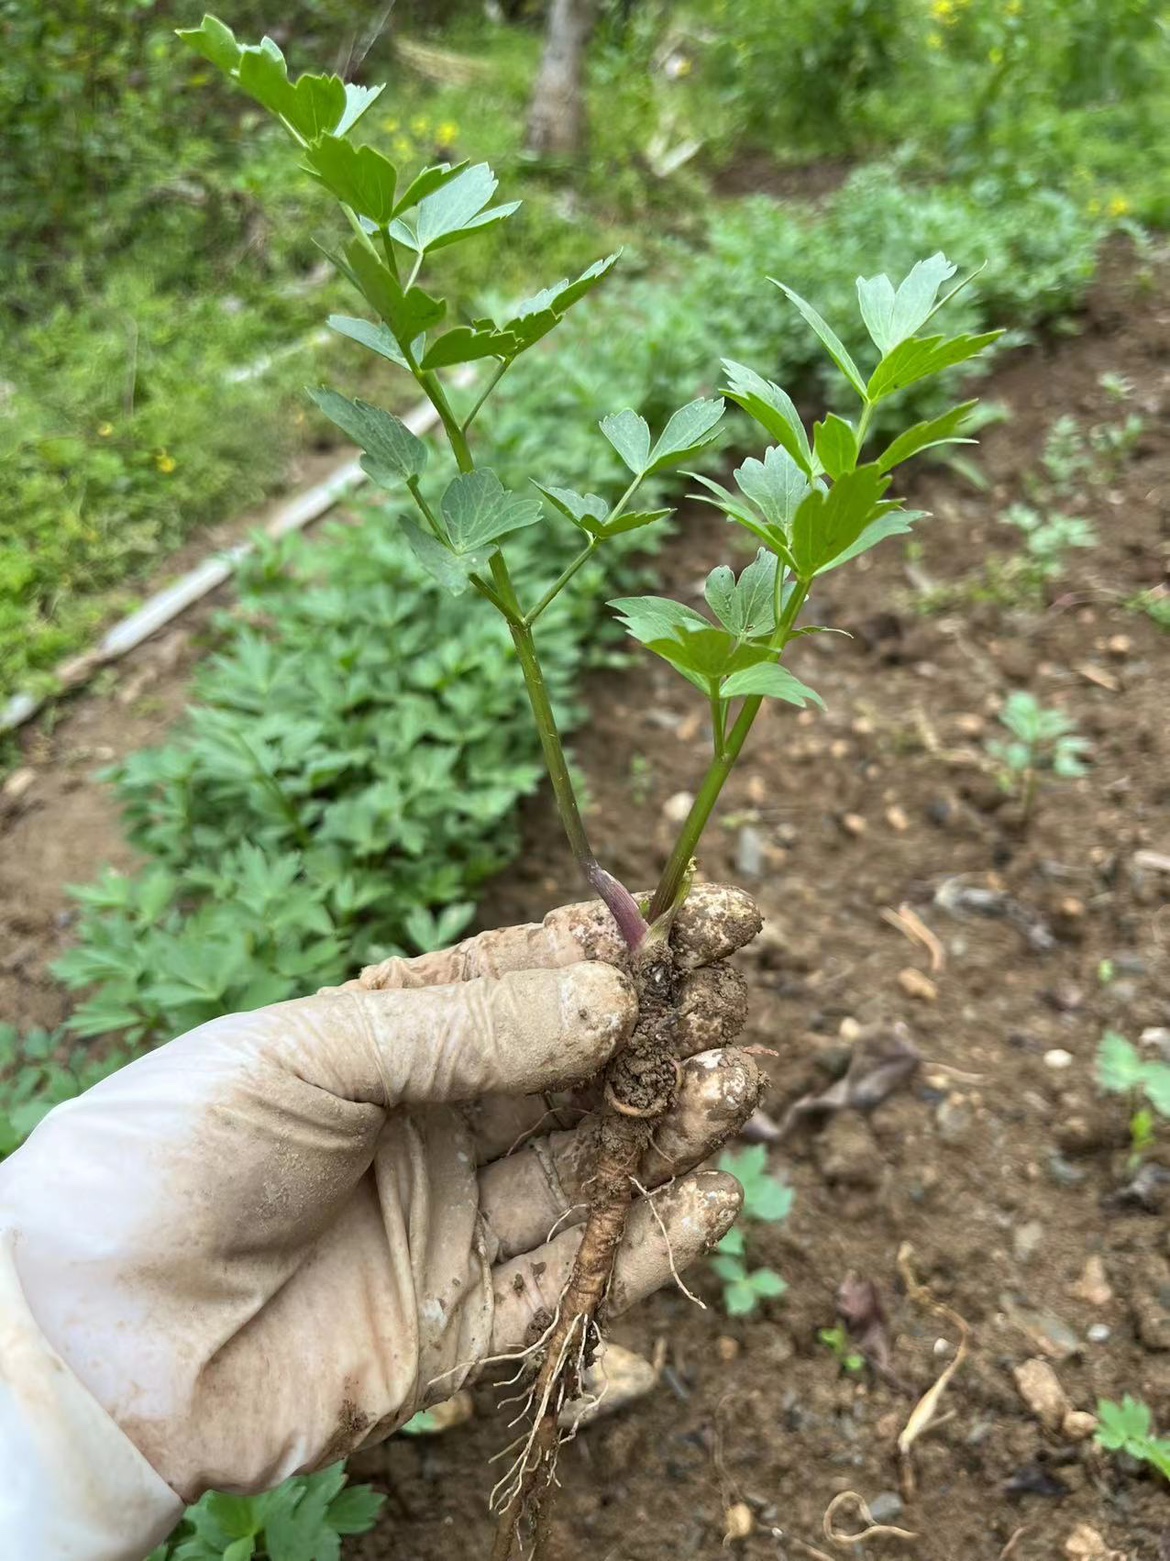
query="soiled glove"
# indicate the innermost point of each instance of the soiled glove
(277, 1237)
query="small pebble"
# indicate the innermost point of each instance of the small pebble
(738, 1522)
(676, 808)
(726, 1348)
(749, 853)
(953, 1119)
(1099, 1333)
(1026, 1240)
(897, 820)
(853, 824)
(886, 1507)
(1058, 1058)
(1093, 1285)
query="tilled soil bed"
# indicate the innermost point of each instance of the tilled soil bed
(998, 1163)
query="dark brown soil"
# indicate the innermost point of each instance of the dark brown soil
(998, 1162)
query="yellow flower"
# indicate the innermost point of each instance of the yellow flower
(389, 125)
(934, 40)
(1013, 7)
(402, 147)
(995, 55)
(942, 10)
(165, 462)
(1118, 206)
(104, 430)
(420, 125)
(446, 133)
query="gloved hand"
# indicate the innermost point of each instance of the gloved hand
(279, 1236)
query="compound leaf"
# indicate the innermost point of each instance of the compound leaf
(772, 408)
(630, 436)
(478, 509)
(829, 339)
(391, 446)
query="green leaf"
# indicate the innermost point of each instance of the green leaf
(313, 106)
(767, 1283)
(241, 1549)
(690, 429)
(452, 210)
(924, 436)
(1124, 1423)
(630, 436)
(478, 509)
(776, 485)
(355, 1510)
(894, 522)
(214, 42)
(729, 1267)
(407, 311)
(577, 507)
(237, 1516)
(631, 520)
(393, 450)
(772, 408)
(357, 175)
(649, 618)
(1157, 1087)
(827, 523)
(358, 101)
(892, 317)
(747, 606)
(466, 344)
(922, 357)
(537, 315)
(426, 183)
(740, 1299)
(732, 1243)
(452, 570)
(770, 681)
(378, 338)
(835, 443)
(828, 337)
(1120, 1066)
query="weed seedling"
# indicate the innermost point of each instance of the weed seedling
(1041, 740)
(840, 1346)
(767, 1200)
(1128, 1427)
(1122, 1070)
(1047, 538)
(814, 501)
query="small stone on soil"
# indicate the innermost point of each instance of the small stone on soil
(750, 853)
(1040, 1389)
(1093, 1285)
(1026, 1240)
(1058, 1059)
(1085, 1544)
(738, 1522)
(917, 986)
(853, 824)
(886, 1507)
(676, 808)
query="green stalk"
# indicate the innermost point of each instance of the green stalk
(560, 583)
(675, 872)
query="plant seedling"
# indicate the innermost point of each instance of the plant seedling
(1041, 739)
(1047, 538)
(814, 501)
(767, 1199)
(1128, 1427)
(840, 1346)
(1122, 1070)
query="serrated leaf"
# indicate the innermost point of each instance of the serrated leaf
(453, 209)
(313, 105)
(467, 344)
(747, 606)
(835, 444)
(770, 681)
(738, 512)
(688, 431)
(378, 338)
(828, 337)
(409, 312)
(358, 101)
(1120, 1424)
(776, 485)
(772, 408)
(215, 42)
(894, 522)
(632, 520)
(478, 510)
(918, 359)
(355, 1510)
(357, 175)
(630, 436)
(892, 317)
(577, 507)
(827, 523)
(452, 570)
(536, 316)
(1120, 1066)
(924, 436)
(391, 446)
(649, 618)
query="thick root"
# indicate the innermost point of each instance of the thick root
(640, 1087)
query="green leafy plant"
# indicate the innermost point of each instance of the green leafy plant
(304, 1519)
(1122, 1070)
(837, 1341)
(1042, 740)
(767, 1199)
(1047, 538)
(816, 500)
(1128, 1427)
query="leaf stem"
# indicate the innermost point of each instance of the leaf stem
(721, 766)
(426, 511)
(560, 583)
(500, 370)
(718, 721)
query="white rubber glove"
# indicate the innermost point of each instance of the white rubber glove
(277, 1237)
